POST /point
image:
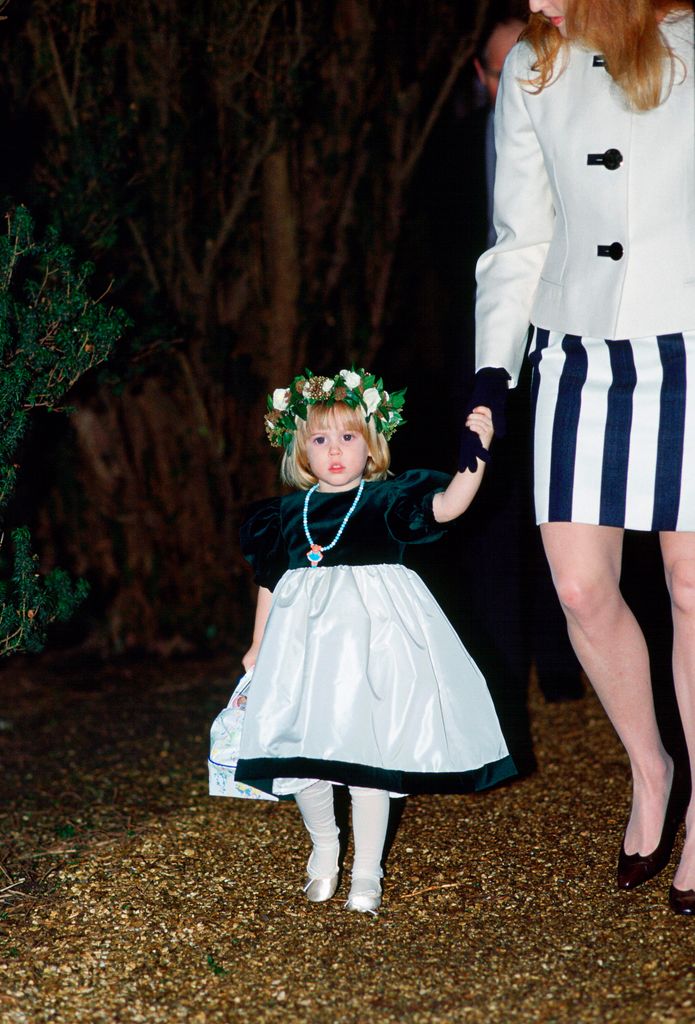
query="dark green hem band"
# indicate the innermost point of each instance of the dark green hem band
(369, 777)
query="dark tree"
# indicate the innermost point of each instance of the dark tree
(241, 170)
(51, 333)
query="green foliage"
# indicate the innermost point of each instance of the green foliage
(214, 966)
(65, 831)
(51, 333)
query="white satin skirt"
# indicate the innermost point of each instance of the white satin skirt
(362, 680)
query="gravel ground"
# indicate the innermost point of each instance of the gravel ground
(128, 895)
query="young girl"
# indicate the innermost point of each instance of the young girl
(358, 676)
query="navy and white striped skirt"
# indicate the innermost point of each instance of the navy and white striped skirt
(614, 430)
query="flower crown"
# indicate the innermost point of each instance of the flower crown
(356, 388)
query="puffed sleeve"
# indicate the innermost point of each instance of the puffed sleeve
(524, 217)
(262, 543)
(409, 516)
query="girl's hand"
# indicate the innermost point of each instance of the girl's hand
(250, 658)
(448, 504)
(479, 420)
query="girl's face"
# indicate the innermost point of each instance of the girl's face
(553, 10)
(337, 456)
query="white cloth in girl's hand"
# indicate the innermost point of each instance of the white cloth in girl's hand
(225, 740)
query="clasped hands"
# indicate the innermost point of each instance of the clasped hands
(489, 391)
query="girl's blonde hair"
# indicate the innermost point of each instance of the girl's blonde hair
(294, 469)
(625, 32)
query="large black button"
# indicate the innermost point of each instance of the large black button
(614, 250)
(611, 159)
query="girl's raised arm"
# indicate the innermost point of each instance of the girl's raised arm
(452, 502)
(263, 602)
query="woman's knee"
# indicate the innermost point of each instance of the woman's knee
(585, 565)
(584, 598)
(680, 578)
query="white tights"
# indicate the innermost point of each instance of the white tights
(370, 815)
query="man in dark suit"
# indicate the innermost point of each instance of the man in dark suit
(506, 608)
(500, 538)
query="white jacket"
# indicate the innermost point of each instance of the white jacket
(578, 170)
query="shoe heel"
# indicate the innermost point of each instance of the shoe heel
(633, 868)
(682, 901)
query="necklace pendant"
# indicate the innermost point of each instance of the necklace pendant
(315, 554)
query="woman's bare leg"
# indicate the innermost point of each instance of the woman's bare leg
(585, 564)
(679, 564)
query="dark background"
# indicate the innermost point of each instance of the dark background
(254, 183)
(264, 186)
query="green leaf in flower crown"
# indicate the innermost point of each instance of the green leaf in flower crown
(300, 397)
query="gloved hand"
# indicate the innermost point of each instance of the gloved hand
(489, 389)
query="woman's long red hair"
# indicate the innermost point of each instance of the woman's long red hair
(626, 32)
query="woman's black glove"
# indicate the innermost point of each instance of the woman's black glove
(489, 389)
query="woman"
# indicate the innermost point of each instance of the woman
(595, 219)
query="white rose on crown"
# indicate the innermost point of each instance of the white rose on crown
(327, 386)
(371, 399)
(352, 379)
(281, 399)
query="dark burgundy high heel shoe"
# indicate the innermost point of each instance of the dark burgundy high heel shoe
(682, 901)
(635, 869)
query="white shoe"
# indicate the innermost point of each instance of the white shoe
(364, 896)
(318, 890)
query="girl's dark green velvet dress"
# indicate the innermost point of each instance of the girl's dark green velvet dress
(360, 678)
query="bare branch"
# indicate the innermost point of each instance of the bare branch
(260, 35)
(78, 58)
(144, 254)
(62, 81)
(463, 53)
(242, 192)
(341, 250)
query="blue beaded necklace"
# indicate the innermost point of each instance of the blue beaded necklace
(315, 552)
